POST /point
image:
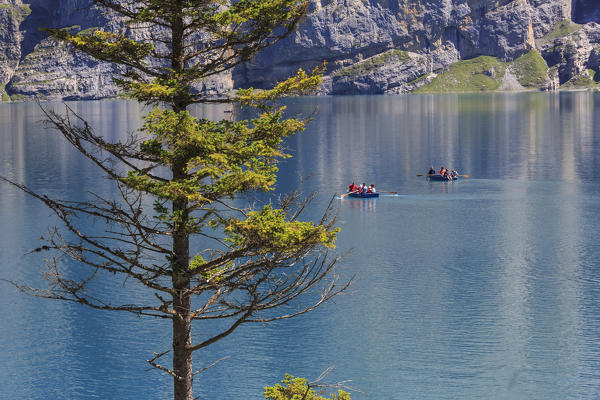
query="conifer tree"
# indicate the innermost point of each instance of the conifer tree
(260, 259)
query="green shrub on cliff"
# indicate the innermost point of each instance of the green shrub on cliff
(373, 63)
(20, 12)
(562, 29)
(4, 95)
(587, 80)
(531, 70)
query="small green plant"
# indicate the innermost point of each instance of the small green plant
(88, 31)
(25, 10)
(586, 80)
(18, 12)
(419, 79)
(3, 93)
(373, 63)
(561, 29)
(17, 97)
(292, 388)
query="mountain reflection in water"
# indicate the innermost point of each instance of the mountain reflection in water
(488, 287)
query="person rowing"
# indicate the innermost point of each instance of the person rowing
(447, 175)
(431, 170)
(361, 190)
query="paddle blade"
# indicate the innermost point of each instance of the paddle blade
(347, 193)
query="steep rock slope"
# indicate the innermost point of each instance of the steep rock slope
(12, 13)
(47, 69)
(439, 32)
(371, 46)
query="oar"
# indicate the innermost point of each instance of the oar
(386, 191)
(346, 194)
(464, 176)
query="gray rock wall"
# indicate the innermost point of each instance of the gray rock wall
(46, 69)
(371, 46)
(347, 32)
(12, 13)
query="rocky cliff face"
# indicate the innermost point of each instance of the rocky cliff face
(42, 68)
(371, 46)
(12, 14)
(354, 35)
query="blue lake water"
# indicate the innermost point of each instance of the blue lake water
(488, 287)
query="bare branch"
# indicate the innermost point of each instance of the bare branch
(210, 366)
(225, 333)
(69, 291)
(154, 364)
(338, 385)
(127, 153)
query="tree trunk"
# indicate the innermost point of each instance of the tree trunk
(183, 388)
(182, 323)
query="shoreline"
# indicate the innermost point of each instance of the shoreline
(567, 90)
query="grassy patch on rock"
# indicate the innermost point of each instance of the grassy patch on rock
(586, 80)
(19, 12)
(25, 10)
(562, 29)
(88, 31)
(373, 63)
(38, 81)
(419, 79)
(480, 74)
(17, 97)
(531, 70)
(5, 97)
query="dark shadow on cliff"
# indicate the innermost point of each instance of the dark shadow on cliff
(584, 11)
(41, 16)
(47, 14)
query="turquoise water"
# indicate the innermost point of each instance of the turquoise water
(488, 287)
